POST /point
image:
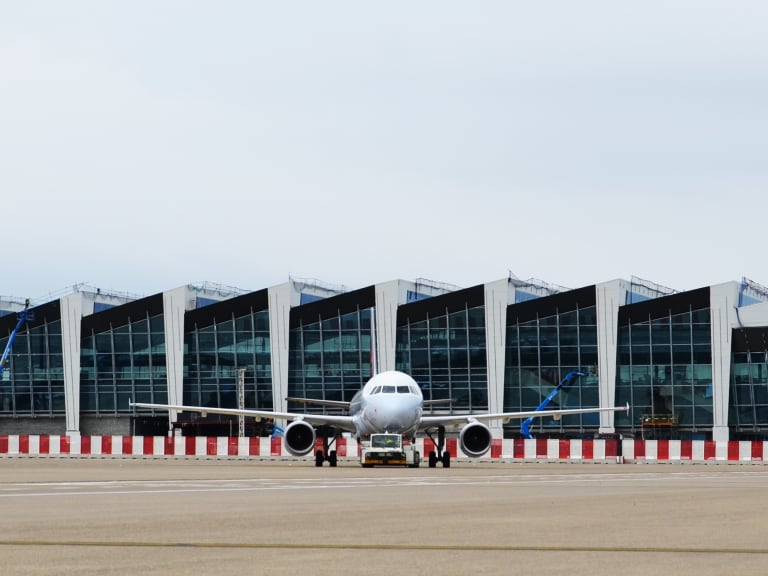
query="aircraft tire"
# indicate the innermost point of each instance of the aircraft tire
(446, 459)
(319, 458)
(332, 459)
(432, 459)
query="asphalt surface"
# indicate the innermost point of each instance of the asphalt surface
(109, 517)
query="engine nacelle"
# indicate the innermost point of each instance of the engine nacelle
(475, 439)
(299, 438)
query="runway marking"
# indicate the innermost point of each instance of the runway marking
(386, 547)
(127, 487)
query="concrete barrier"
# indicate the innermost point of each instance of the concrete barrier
(536, 450)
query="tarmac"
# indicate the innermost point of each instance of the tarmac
(180, 517)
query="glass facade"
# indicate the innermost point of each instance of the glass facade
(213, 353)
(664, 367)
(33, 378)
(330, 356)
(748, 405)
(123, 362)
(547, 339)
(664, 364)
(441, 344)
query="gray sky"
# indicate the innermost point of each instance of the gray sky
(149, 144)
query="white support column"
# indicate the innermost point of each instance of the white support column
(71, 330)
(387, 300)
(496, 296)
(724, 298)
(279, 332)
(174, 305)
(609, 297)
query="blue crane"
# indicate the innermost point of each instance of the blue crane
(23, 316)
(525, 425)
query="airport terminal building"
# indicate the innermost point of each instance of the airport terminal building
(692, 365)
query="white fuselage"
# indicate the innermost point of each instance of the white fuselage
(389, 402)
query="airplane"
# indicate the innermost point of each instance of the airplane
(390, 402)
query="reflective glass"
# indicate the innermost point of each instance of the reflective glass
(543, 353)
(446, 355)
(659, 379)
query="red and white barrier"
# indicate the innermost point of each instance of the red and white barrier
(540, 449)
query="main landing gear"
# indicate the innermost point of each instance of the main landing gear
(326, 455)
(439, 455)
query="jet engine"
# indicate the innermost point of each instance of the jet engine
(475, 439)
(299, 438)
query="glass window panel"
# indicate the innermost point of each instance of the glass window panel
(683, 319)
(439, 359)
(569, 355)
(702, 334)
(661, 334)
(640, 334)
(529, 335)
(331, 324)
(641, 355)
(104, 343)
(588, 316)
(701, 316)
(54, 344)
(419, 358)
(458, 338)
(569, 335)
(459, 359)
(243, 324)
(476, 317)
(512, 358)
(549, 356)
(681, 355)
(568, 318)
(548, 322)
(157, 325)
(529, 356)
(681, 335)
(437, 323)
(662, 354)
(702, 355)
(624, 358)
(477, 358)
(458, 320)
(419, 338)
(588, 336)
(623, 335)
(261, 321)
(477, 337)
(548, 336)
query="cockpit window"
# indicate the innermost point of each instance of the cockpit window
(399, 389)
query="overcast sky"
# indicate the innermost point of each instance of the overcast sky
(149, 144)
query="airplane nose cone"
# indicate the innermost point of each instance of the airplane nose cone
(393, 417)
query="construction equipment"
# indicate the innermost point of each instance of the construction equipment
(525, 425)
(23, 317)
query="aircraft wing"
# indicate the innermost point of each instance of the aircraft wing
(456, 421)
(329, 403)
(341, 422)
